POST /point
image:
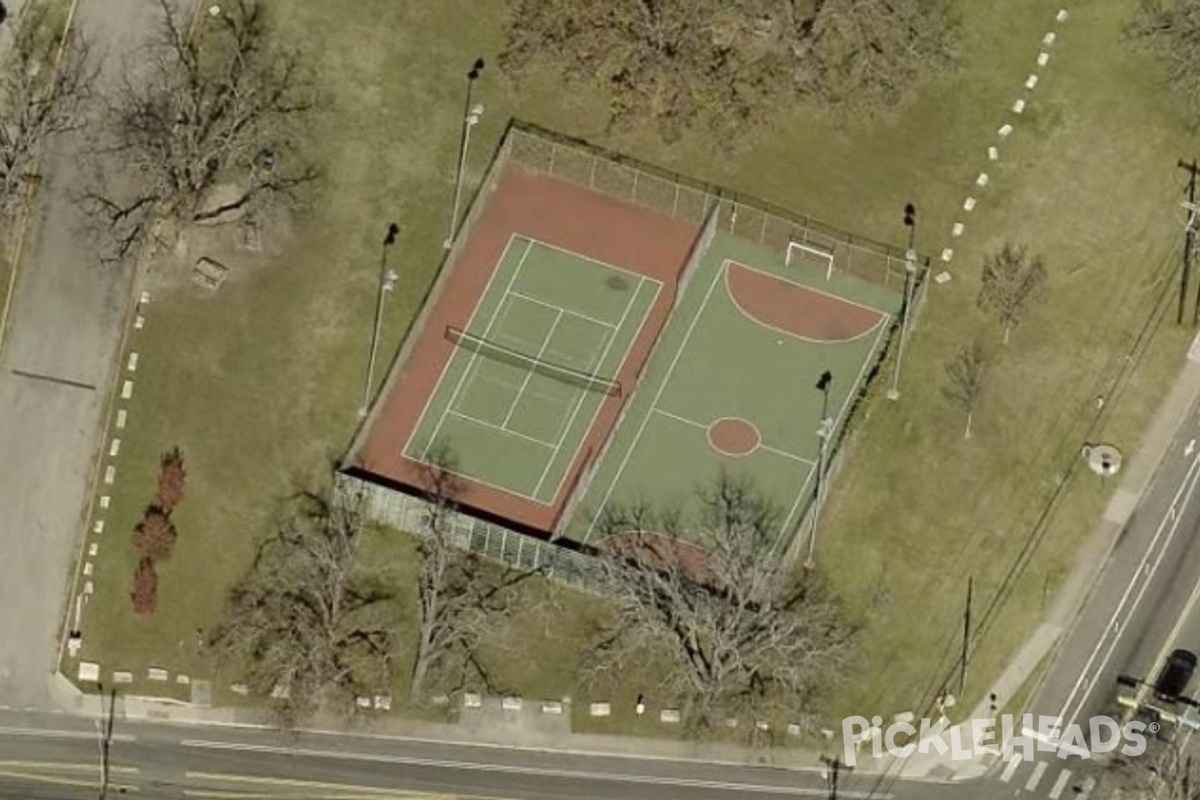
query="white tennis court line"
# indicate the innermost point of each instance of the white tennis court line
(612, 337)
(733, 299)
(462, 379)
(687, 337)
(621, 367)
(495, 427)
(582, 257)
(693, 423)
(785, 279)
(445, 367)
(570, 311)
(529, 373)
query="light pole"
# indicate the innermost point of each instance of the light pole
(910, 278)
(824, 430)
(471, 117)
(387, 282)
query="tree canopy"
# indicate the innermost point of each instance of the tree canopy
(1170, 29)
(728, 65)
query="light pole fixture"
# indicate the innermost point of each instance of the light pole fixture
(824, 431)
(471, 117)
(387, 283)
(910, 222)
(910, 278)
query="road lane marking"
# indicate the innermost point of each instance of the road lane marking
(1057, 789)
(63, 765)
(294, 752)
(1188, 485)
(1010, 769)
(1143, 689)
(1038, 770)
(93, 784)
(60, 734)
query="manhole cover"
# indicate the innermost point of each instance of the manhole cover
(1103, 459)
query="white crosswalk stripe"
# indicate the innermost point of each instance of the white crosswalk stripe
(1038, 770)
(1060, 784)
(1010, 769)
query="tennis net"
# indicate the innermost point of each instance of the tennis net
(507, 355)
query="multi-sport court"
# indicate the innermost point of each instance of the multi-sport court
(580, 351)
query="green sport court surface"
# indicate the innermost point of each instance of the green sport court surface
(721, 359)
(515, 410)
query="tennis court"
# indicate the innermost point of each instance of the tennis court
(531, 368)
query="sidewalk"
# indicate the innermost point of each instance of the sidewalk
(1093, 555)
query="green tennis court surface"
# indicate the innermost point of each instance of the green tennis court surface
(531, 369)
(731, 388)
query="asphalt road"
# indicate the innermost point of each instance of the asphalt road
(55, 369)
(1146, 588)
(57, 757)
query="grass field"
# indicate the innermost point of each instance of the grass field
(260, 384)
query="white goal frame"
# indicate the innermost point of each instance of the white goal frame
(812, 250)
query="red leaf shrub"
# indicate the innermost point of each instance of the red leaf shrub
(171, 476)
(155, 535)
(145, 588)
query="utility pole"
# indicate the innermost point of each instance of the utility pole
(824, 431)
(966, 641)
(834, 767)
(1189, 240)
(104, 730)
(470, 119)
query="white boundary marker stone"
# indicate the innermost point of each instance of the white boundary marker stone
(1062, 15)
(127, 390)
(120, 418)
(942, 277)
(1005, 130)
(993, 153)
(87, 568)
(957, 230)
(98, 527)
(947, 255)
(1019, 106)
(982, 180)
(139, 321)
(133, 359)
(110, 473)
(1031, 81)
(93, 548)
(104, 501)
(145, 298)
(115, 447)
(1043, 59)
(89, 671)
(1049, 38)
(969, 204)
(89, 587)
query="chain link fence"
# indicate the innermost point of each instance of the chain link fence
(405, 512)
(770, 226)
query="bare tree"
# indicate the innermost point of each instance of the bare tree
(727, 65)
(1012, 281)
(965, 377)
(44, 82)
(310, 625)
(209, 127)
(1170, 30)
(1164, 773)
(738, 631)
(459, 594)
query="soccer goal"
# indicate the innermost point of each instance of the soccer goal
(811, 254)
